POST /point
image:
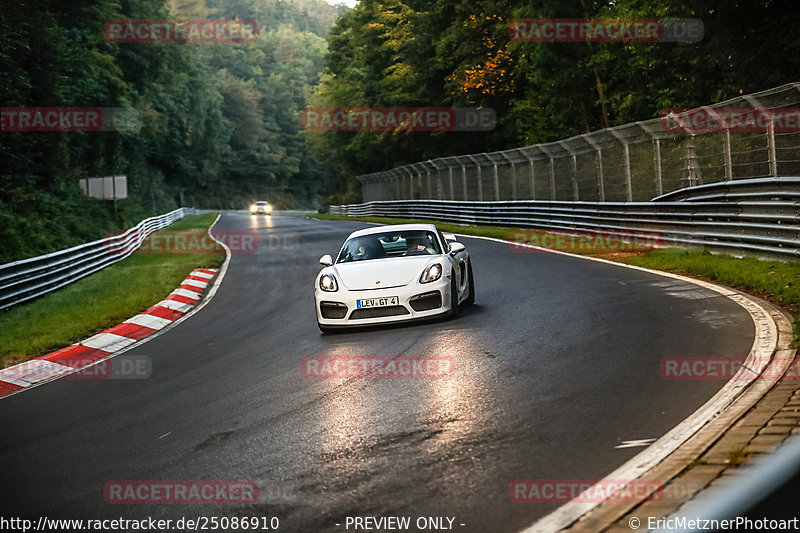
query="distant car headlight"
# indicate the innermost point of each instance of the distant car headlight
(328, 283)
(432, 273)
(268, 208)
(252, 208)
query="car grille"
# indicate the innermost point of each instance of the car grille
(375, 312)
(427, 301)
(332, 310)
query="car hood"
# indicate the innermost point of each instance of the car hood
(394, 272)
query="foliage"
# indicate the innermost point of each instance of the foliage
(459, 53)
(219, 121)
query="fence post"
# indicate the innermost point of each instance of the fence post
(464, 180)
(552, 179)
(480, 177)
(728, 159)
(496, 182)
(480, 183)
(513, 181)
(452, 190)
(628, 187)
(657, 161)
(575, 193)
(430, 190)
(513, 175)
(773, 160)
(533, 182)
(601, 186)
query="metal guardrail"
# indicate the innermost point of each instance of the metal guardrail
(27, 279)
(756, 227)
(754, 189)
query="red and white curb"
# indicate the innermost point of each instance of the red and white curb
(101, 346)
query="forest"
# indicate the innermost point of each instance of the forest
(220, 122)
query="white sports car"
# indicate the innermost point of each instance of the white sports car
(391, 274)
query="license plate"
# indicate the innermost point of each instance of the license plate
(377, 302)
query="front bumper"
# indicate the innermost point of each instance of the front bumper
(416, 301)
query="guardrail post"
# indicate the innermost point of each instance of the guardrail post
(657, 163)
(552, 179)
(533, 182)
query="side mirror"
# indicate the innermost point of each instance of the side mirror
(326, 260)
(456, 247)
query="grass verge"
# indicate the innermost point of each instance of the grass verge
(774, 280)
(103, 299)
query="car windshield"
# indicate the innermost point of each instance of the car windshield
(389, 244)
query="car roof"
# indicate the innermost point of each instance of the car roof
(393, 227)
(262, 202)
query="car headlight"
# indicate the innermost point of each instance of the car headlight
(252, 208)
(268, 208)
(432, 273)
(328, 283)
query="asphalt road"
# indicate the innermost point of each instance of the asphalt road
(556, 365)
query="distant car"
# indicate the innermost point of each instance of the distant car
(260, 208)
(393, 274)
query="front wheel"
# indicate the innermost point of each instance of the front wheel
(454, 308)
(471, 285)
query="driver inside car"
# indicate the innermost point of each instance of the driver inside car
(418, 246)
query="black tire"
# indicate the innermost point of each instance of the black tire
(471, 285)
(454, 308)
